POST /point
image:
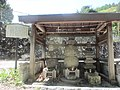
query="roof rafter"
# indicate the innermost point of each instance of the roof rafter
(40, 27)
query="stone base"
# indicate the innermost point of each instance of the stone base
(70, 81)
(71, 77)
(49, 73)
(71, 74)
(94, 79)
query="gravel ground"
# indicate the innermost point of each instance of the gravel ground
(9, 87)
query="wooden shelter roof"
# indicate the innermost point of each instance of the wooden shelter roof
(89, 17)
(71, 23)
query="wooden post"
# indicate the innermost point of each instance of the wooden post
(111, 67)
(97, 45)
(43, 55)
(97, 52)
(44, 49)
(32, 54)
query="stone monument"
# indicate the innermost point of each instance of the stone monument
(90, 69)
(71, 61)
(51, 63)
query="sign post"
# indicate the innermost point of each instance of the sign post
(16, 53)
(17, 31)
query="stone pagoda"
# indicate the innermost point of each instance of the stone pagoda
(90, 69)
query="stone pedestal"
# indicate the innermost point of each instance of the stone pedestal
(94, 79)
(49, 73)
(69, 74)
(50, 70)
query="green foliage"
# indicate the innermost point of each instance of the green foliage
(3, 75)
(105, 7)
(118, 7)
(2, 2)
(6, 12)
(111, 9)
(87, 9)
(10, 76)
(116, 31)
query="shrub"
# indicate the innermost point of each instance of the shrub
(10, 76)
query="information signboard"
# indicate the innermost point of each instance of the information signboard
(17, 31)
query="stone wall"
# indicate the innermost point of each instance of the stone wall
(24, 69)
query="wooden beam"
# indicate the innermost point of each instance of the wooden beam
(69, 22)
(102, 37)
(101, 23)
(80, 44)
(111, 67)
(84, 44)
(39, 42)
(40, 37)
(102, 41)
(40, 27)
(102, 27)
(92, 25)
(70, 34)
(48, 29)
(80, 32)
(105, 31)
(32, 54)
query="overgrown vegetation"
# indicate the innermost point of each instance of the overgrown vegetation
(105, 8)
(10, 76)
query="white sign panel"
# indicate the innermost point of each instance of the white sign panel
(17, 31)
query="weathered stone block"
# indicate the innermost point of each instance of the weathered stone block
(24, 69)
(94, 79)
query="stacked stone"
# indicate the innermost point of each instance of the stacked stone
(90, 74)
(89, 60)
